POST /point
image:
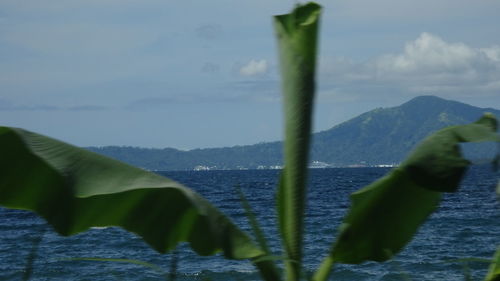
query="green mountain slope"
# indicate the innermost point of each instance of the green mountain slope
(386, 135)
(380, 136)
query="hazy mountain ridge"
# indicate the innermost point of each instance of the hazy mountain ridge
(380, 136)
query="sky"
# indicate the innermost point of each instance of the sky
(196, 73)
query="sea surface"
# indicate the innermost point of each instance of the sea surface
(466, 225)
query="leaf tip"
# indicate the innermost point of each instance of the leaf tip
(488, 119)
(301, 16)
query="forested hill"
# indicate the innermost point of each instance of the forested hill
(380, 136)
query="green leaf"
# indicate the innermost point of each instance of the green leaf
(74, 189)
(297, 43)
(494, 271)
(437, 163)
(383, 218)
(385, 215)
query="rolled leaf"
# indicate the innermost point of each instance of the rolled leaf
(385, 215)
(74, 189)
(297, 40)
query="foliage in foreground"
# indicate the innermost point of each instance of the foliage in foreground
(74, 189)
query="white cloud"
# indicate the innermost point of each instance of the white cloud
(427, 65)
(254, 67)
(431, 54)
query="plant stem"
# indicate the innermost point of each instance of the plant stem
(324, 270)
(267, 269)
(30, 260)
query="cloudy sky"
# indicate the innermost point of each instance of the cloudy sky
(197, 73)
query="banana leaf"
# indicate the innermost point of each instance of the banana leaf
(386, 214)
(75, 189)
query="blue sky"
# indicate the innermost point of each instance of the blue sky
(189, 74)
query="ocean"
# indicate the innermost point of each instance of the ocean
(466, 225)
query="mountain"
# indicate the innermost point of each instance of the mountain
(386, 135)
(380, 136)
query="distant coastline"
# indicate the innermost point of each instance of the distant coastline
(378, 138)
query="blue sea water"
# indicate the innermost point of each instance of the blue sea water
(466, 225)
